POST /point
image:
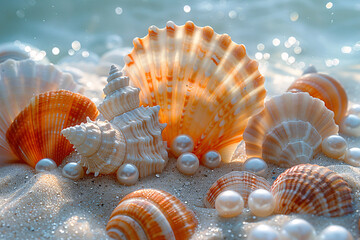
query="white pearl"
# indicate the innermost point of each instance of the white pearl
(229, 204)
(73, 171)
(263, 232)
(211, 159)
(187, 163)
(335, 232)
(256, 165)
(45, 165)
(127, 174)
(350, 125)
(352, 156)
(355, 110)
(334, 146)
(182, 144)
(298, 229)
(261, 203)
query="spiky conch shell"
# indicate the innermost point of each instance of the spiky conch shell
(151, 214)
(35, 132)
(312, 189)
(206, 85)
(19, 82)
(289, 130)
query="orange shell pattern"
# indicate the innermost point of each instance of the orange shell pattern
(35, 132)
(312, 189)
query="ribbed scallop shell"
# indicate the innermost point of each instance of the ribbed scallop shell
(289, 130)
(326, 88)
(206, 85)
(21, 51)
(242, 182)
(151, 214)
(35, 132)
(312, 189)
(101, 146)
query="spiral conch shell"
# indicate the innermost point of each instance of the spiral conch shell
(132, 135)
(206, 85)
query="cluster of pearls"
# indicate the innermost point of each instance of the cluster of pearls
(73, 171)
(127, 174)
(45, 165)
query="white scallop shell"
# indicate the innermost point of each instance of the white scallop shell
(20, 51)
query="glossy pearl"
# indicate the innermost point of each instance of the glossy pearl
(182, 144)
(187, 163)
(334, 146)
(256, 165)
(352, 157)
(263, 232)
(261, 203)
(45, 165)
(73, 171)
(298, 229)
(229, 204)
(335, 232)
(127, 174)
(355, 110)
(211, 159)
(350, 125)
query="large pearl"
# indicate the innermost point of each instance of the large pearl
(350, 125)
(229, 204)
(352, 157)
(182, 144)
(335, 232)
(261, 203)
(263, 232)
(334, 146)
(187, 163)
(45, 165)
(211, 159)
(73, 171)
(256, 165)
(355, 110)
(298, 229)
(127, 174)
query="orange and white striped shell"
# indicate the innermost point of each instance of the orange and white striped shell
(289, 130)
(242, 182)
(312, 189)
(151, 214)
(35, 132)
(206, 85)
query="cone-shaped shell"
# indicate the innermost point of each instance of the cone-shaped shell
(289, 130)
(35, 132)
(242, 182)
(206, 85)
(312, 189)
(151, 214)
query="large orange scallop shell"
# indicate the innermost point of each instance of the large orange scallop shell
(35, 132)
(151, 214)
(312, 189)
(206, 85)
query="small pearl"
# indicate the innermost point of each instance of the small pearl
(127, 174)
(187, 163)
(350, 125)
(263, 232)
(229, 204)
(256, 165)
(211, 159)
(352, 157)
(298, 229)
(261, 203)
(182, 144)
(334, 146)
(45, 165)
(335, 232)
(355, 110)
(73, 171)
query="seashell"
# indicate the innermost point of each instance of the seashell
(312, 189)
(20, 51)
(35, 132)
(206, 85)
(241, 182)
(289, 130)
(19, 82)
(151, 214)
(326, 88)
